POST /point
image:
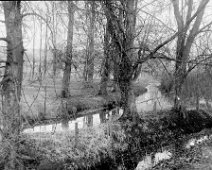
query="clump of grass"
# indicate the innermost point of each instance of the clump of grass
(91, 146)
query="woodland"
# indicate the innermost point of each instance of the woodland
(106, 84)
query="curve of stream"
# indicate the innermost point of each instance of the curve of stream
(152, 100)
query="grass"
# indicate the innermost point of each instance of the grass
(110, 145)
(197, 157)
(90, 148)
(36, 96)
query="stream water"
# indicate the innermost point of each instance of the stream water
(152, 100)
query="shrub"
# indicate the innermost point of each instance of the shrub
(167, 83)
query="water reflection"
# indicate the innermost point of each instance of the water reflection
(152, 100)
(64, 124)
(91, 120)
(103, 116)
(88, 121)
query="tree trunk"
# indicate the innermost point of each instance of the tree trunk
(124, 46)
(106, 65)
(33, 54)
(115, 63)
(184, 44)
(54, 38)
(89, 72)
(125, 67)
(45, 52)
(67, 70)
(180, 71)
(125, 86)
(40, 62)
(105, 76)
(12, 82)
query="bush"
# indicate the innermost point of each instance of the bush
(167, 83)
(197, 84)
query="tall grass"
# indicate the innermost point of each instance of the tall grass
(88, 149)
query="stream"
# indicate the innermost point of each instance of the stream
(152, 100)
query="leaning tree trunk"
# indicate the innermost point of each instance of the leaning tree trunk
(68, 60)
(12, 82)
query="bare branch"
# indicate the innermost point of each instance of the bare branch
(35, 14)
(198, 19)
(202, 29)
(41, 17)
(198, 63)
(4, 39)
(190, 7)
(164, 24)
(178, 17)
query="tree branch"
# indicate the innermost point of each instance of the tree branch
(173, 36)
(198, 63)
(190, 7)
(4, 39)
(196, 25)
(177, 15)
(39, 16)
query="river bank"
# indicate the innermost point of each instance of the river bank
(107, 146)
(81, 105)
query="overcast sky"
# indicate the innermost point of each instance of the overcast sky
(32, 28)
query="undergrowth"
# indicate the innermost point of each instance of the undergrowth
(108, 146)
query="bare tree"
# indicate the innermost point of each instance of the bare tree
(185, 39)
(89, 64)
(54, 34)
(12, 81)
(68, 58)
(122, 32)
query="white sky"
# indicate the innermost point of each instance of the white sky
(164, 14)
